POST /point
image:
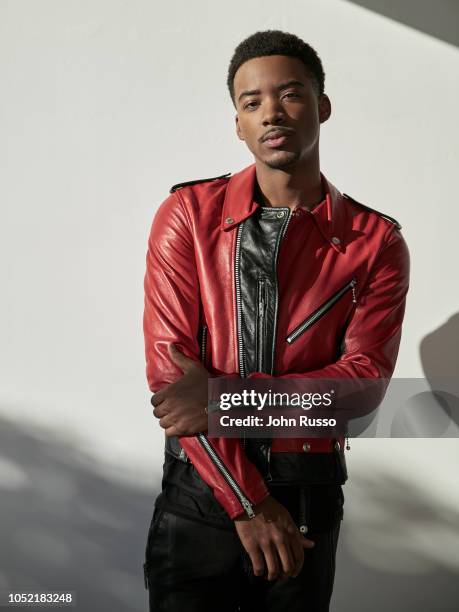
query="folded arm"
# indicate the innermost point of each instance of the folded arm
(172, 315)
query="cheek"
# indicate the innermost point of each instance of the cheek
(249, 135)
(308, 115)
(310, 128)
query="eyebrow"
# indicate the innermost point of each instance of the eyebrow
(254, 92)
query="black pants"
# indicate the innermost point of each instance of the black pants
(194, 567)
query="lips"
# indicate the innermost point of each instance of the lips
(276, 139)
(272, 143)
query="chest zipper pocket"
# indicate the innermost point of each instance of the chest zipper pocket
(261, 322)
(321, 310)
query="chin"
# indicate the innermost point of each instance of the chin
(282, 159)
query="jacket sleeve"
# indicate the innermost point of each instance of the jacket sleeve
(171, 314)
(373, 334)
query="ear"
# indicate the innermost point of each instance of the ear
(324, 108)
(238, 129)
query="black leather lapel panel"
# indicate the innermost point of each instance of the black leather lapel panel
(260, 240)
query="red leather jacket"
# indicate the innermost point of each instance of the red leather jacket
(342, 260)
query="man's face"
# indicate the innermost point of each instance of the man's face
(278, 110)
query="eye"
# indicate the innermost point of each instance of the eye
(291, 94)
(250, 104)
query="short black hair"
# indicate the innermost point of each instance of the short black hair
(276, 42)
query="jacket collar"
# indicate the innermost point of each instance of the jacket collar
(238, 205)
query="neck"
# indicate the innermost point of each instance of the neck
(292, 187)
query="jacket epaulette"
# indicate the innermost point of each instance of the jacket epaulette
(381, 214)
(214, 178)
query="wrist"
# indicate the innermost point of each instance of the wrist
(257, 508)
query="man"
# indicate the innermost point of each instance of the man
(271, 272)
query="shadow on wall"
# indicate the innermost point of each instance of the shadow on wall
(63, 526)
(439, 350)
(399, 548)
(437, 18)
(434, 413)
(440, 361)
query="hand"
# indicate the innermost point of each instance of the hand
(181, 405)
(272, 539)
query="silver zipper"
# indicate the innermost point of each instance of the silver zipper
(241, 354)
(226, 475)
(203, 344)
(240, 343)
(201, 437)
(241, 348)
(276, 306)
(261, 311)
(276, 301)
(321, 310)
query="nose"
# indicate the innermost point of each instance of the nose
(273, 112)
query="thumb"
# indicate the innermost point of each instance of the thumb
(183, 362)
(306, 543)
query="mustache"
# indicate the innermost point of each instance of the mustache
(281, 131)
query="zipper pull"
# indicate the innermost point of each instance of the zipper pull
(248, 508)
(261, 298)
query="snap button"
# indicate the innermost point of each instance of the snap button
(304, 528)
(337, 446)
(306, 447)
(280, 214)
(229, 220)
(336, 240)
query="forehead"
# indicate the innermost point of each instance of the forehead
(268, 71)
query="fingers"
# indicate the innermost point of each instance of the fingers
(157, 398)
(166, 421)
(281, 561)
(172, 431)
(298, 555)
(272, 562)
(292, 557)
(306, 543)
(287, 560)
(159, 411)
(298, 547)
(258, 563)
(183, 362)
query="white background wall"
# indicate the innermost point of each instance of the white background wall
(106, 104)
